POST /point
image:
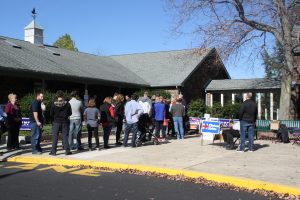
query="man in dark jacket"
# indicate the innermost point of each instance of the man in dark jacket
(247, 116)
(60, 113)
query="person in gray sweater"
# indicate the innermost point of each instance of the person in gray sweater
(178, 111)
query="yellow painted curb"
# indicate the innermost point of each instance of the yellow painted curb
(239, 182)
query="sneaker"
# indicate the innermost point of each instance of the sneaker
(98, 149)
(68, 153)
(106, 147)
(118, 143)
(239, 150)
(250, 151)
(90, 149)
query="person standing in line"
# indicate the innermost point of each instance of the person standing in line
(119, 116)
(14, 122)
(178, 112)
(91, 116)
(159, 116)
(247, 116)
(133, 110)
(107, 119)
(75, 121)
(60, 113)
(36, 122)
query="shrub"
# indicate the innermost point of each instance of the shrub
(231, 110)
(196, 108)
(49, 97)
(215, 111)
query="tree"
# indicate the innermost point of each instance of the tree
(65, 42)
(229, 25)
(274, 62)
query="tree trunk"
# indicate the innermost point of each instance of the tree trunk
(286, 82)
(285, 97)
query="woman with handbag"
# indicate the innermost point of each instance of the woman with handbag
(14, 122)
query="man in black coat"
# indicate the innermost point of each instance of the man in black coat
(247, 116)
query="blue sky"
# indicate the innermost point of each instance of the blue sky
(109, 27)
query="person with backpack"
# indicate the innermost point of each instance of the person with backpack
(107, 119)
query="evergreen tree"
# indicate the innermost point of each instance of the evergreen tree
(65, 42)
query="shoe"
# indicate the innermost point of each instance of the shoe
(106, 147)
(80, 149)
(98, 149)
(118, 143)
(90, 149)
(68, 153)
(52, 153)
(250, 151)
(229, 148)
(37, 153)
(240, 151)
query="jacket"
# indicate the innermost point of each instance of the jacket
(60, 112)
(248, 111)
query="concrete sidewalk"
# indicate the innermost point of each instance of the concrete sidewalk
(275, 163)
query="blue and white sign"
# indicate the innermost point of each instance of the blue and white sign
(25, 124)
(210, 127)
(225, 123)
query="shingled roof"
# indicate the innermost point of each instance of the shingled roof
(24, 56)
(163, 69)
(156, 69)
(243, 84)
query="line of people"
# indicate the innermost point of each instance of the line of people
(67, 117)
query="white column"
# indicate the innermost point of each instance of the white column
(222, 99)
(207, 99)
(277, 116)
(259, 105)
(266, 113)
(271, 106)
(233, 98)
(211, 100)
(244, 96)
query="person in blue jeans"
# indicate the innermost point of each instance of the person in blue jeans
(247, 116)
(178, 111)
(36, 123)
(133, 111)
(75, 121)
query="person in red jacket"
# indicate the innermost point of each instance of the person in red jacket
(107, 119)
(14, 122)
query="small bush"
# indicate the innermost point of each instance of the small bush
(196, 108)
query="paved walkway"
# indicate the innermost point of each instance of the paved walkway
(272, 162)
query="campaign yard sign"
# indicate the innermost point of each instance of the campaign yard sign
(25, 124)
(194, 123)
(225, 123)
(212, 127)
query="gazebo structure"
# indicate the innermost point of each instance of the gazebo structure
(265, 91)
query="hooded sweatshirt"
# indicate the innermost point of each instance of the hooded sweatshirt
(60, 112)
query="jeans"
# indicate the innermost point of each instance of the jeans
(36, 134)
(106, 133)
(93, 131)
(64, 127)
(133, 128)
(75, 124)
(249, 128)
(178, 125)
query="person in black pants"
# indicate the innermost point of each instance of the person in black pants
(107, 118)
(14, 121)
(228, 136)
(60, 113)
(91, 115)
(119, 115)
